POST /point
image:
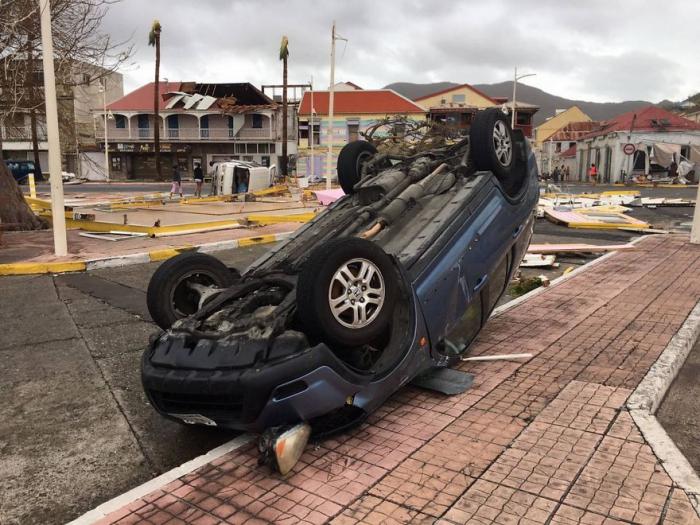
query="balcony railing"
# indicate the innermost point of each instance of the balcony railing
(191, 134)
(22, 133)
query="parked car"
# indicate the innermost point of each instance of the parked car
(394, 279)
(21, 169)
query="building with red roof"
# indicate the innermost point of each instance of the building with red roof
(354, 110)
(455, 107)
(638, 143)
(199, 123)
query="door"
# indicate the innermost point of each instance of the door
(466, 265)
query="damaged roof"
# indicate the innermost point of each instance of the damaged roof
(354, 102)
(650, 118)
(574, 131)
(228, 97)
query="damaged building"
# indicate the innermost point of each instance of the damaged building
(658, 137)
(198, 123)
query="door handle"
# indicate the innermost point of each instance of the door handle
(517, 230)
(479, 283)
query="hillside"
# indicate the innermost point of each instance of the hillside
(547, 102)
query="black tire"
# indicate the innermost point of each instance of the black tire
(168, 298)
(350, 160)
(314, 292)
(484, 135)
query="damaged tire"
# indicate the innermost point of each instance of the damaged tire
(346, 292)
(181, 285)
(350, 161)
(491, 143)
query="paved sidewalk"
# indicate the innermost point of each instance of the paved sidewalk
(544, 441)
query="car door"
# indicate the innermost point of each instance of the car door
(458, 274)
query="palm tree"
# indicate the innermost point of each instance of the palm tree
(284, 53)
(154, 40)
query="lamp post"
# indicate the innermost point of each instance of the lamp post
(515, 85)
(103, 88)
(331, 92)
(311, 130)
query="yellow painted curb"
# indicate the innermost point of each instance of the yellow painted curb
(249, 241)
(37, 268)
(261, 218)
(167, 253)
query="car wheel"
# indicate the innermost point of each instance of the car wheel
(350, 161)
(181, 285)
(346, 292)
(491, 143)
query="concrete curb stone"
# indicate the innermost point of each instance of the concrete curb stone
(646, 398)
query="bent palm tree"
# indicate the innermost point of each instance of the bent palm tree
(154, 40)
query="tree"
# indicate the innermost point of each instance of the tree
(15, 213)
(284, 54)
(82, 54)
(154, 40)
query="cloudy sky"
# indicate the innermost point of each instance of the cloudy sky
(598, 50)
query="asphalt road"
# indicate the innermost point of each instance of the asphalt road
(679, 412)
(77, 429)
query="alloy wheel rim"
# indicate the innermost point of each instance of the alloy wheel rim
(502, 143)
(356, 293)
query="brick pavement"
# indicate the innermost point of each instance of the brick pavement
(544, 441)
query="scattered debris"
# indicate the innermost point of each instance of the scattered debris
(536, 260)
(499, 357)
(577, 248)
(595, 220)
(326, 197)
(650, 202)
(644, 230)
(112, 236)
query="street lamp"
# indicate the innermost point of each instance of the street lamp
(103, 90)
(515, 84)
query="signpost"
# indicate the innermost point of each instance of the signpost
(629, 149)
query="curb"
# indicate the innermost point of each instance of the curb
(559, 280)
(118, 502)
(646, 398)
(136, 258)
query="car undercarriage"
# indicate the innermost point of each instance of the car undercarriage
(392, 280)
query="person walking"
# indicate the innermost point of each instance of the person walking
(566, 173)
(593, 174)
(177, 181)
(198, 180)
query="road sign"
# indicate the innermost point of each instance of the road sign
(629, 149)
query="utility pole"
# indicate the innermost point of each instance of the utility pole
(57, 207)
(515, 85)
(551, 143)
(329, 155)
(311, 126)
(331, 92)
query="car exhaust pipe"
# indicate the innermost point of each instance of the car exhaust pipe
(281, 447)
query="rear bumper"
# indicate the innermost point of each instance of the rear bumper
(300, 387)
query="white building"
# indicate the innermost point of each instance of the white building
(658, 136)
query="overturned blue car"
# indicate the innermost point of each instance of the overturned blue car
(392, 280)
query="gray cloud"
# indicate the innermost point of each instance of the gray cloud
(595, 50)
